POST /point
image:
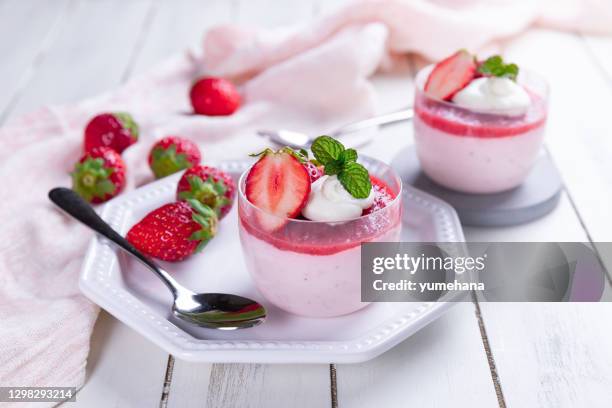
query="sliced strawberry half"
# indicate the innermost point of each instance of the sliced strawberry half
(279, 185)
(451, 75)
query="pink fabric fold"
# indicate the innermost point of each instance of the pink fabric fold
(308, 78)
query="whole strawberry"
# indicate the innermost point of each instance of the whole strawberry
(174, 231)
(99, 175)
(210, 186)
(214, 97)
(172, 154)
(115, 130)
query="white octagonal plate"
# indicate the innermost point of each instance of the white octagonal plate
(136, 297)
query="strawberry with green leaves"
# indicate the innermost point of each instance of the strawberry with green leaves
(174, 231)
(172, 154)
(99, 175)
(210, 186)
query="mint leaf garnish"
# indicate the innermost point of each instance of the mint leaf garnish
(349, 155)
(342, 162)
(326, 149)
(355, 179)
(495, 66)
(333, 167)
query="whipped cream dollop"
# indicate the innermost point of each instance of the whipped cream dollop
(329, 201)
(493, 93)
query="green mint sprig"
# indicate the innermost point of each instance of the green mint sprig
(495, 66)
(337, 160)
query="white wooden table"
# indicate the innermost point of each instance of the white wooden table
(517, 355)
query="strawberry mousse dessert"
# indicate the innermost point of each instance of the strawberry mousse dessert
(479, 125)
(302, 222)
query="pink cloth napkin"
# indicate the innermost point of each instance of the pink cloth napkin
(306, 78)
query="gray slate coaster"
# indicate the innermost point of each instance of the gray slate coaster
(536, 197)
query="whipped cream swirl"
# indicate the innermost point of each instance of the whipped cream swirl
(329, 201)
(493, 93)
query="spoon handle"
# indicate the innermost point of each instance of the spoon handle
(77, 207)
(382, 120)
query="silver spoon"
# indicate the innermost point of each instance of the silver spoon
(211, 310)
(299, 140)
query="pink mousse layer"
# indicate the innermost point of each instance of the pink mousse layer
(308, 284)
(474, 152)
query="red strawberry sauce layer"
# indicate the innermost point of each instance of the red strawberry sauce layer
(465, 122)
(319, 238)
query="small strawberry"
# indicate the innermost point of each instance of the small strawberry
(314, 172)
(279, 185)
(174, 231)
(214, 97)
(383, 195)
(172, 154)
(115, 130)
(99, 175)
(210, 186)
(451, 75)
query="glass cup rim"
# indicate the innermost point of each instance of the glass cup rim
(422, 74)
(243, 198)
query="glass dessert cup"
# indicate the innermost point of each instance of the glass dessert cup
(312, 268)
(474, 151)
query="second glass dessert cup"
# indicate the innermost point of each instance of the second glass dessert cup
(475, 151)
(313, 268)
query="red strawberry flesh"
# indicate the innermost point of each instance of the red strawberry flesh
(314, 172)
(451, 75)
(383, 195)
(279, 185)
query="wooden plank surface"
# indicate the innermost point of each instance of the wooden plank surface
(177, 25)
(550, 354)
(123, 370)
(90, 54)
(578, 134)
(44, 20)
(442, 365)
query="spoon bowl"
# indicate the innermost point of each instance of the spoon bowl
(210, 310)
(230, 311)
